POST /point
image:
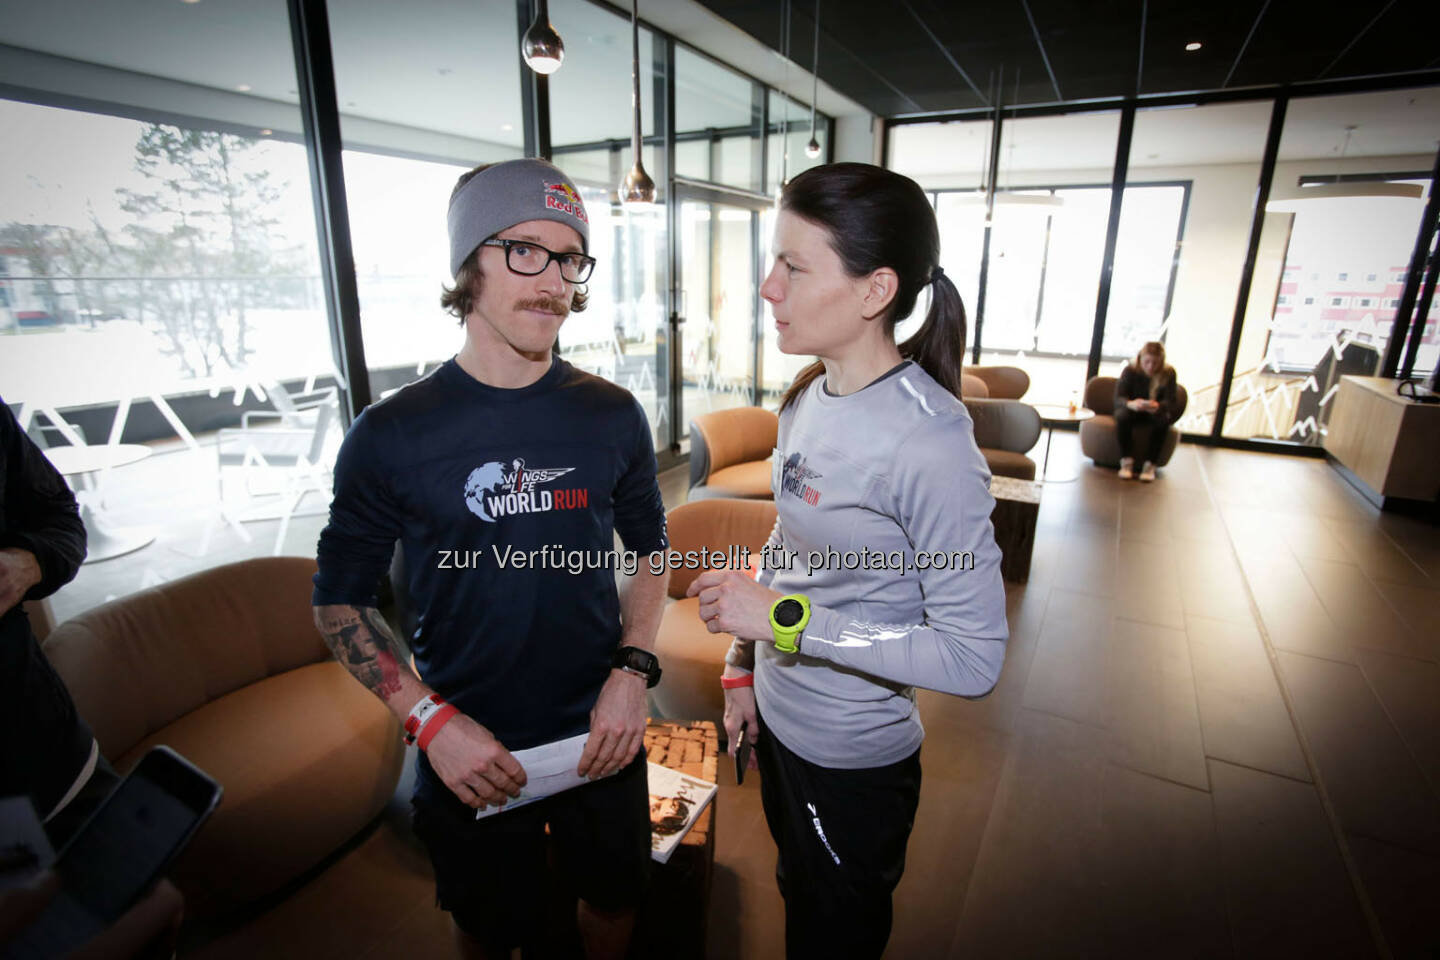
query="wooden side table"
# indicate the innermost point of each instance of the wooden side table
(672, 924)
(1017, 507)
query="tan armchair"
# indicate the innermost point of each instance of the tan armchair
(730, 453)
(1001, 383)
(1005, 430)
(691, 656)
(226, 667)
(1098, 439)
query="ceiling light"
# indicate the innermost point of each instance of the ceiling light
(1039, 202)
(541, 46)
(1193, 45)
(637, 187)
(266, 132)
(1304, 197)
(506, 127)
(1340, 193)
(243, 87)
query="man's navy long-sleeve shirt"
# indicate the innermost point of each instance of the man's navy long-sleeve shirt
(457, 470)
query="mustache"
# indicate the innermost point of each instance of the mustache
(556, 305)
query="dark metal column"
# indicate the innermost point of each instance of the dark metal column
(1247, 274)
(994, 171)
(1403, 312)
(1422, 314)
(534, 89)
(315, 75)
(669, 379)
(1112, 233)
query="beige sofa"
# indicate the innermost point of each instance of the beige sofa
(226, 667)
(690, 655)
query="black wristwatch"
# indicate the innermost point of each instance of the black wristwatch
(642, 663)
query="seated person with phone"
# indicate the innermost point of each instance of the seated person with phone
(102, 898)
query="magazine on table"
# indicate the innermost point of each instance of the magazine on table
(676, 802)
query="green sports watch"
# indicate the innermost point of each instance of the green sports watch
(788, 617)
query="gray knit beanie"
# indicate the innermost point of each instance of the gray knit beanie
(508, 193)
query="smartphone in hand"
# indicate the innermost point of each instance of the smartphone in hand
(122, 851)
(742, 754)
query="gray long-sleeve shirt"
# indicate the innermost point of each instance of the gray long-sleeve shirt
(884, 477)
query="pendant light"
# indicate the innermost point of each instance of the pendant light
(784, 98)
(989, 196)
(542, 47)
(812, 149)
(1305, 198)
(637, 187)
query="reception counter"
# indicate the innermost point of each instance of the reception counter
(1389, 443)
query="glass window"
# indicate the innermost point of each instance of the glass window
(161, 304)
(789, 133)
(411, 126)
(950, 159)
(618, 334)
(1184, 227)
(1047, 240)
(1290, 358)
(718, 123)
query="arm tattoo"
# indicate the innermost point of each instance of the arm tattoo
(361, 641)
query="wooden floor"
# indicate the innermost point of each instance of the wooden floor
(1217, 734)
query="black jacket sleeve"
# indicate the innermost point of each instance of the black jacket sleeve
(1126, 387)
(40, 513)
(1169, 398)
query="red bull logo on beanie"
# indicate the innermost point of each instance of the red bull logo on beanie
(567, 201)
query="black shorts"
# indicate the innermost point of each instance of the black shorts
(492, 875)
(841, 837)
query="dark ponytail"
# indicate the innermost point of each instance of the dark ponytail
(879, 218)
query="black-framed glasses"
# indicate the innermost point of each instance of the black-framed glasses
(530, 259)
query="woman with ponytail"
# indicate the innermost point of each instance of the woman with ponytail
(882, 573)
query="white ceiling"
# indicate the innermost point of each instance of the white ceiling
(449, 66)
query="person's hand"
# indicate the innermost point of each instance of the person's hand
(474, 765)
(740, 712)
(731, 602)
(1136, 404)
(1151, 406)
(148, 929)
(21, 906)
(19, 571)
(617, 726)
(151, 926)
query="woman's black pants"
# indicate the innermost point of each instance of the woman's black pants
(1153, 429)
(841, 836)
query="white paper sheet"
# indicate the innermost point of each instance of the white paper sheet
(549, 769)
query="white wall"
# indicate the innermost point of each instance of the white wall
(857, 138)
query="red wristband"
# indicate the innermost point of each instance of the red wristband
(420, 714)
(730, 683)
(427, 732)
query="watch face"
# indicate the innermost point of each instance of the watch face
(641, 660)
(788, 612)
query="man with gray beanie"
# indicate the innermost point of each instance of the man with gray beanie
(487, 470)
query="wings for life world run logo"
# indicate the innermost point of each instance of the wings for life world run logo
(494, 490)
(567, 201)
(793, 475)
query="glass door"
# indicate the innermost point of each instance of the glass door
(718, 321)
